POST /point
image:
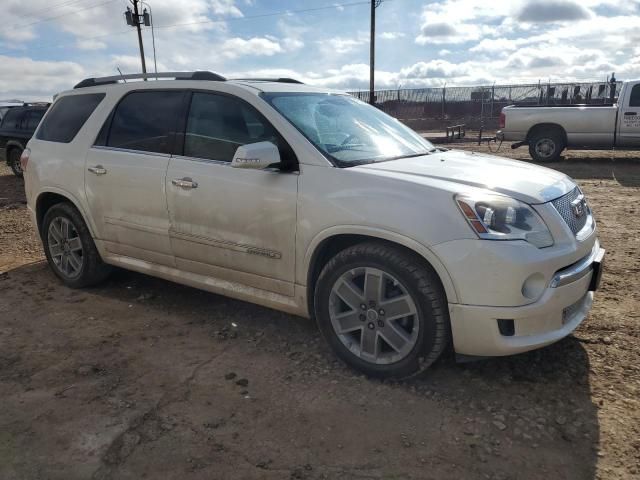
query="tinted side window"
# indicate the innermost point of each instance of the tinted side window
(217, 125)
(634, 101)
(33, 119)
(12, 118)
(146, 121)
(67, 116)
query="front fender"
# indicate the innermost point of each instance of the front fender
(377, 233)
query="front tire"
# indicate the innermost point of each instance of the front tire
(546, 145)
(14, 161)
(69, 248)
(382, 311)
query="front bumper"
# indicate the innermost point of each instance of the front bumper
(564, 304)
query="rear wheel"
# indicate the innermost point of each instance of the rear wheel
(382, 311)
(69, 248)
(546, 145)
(14, 161)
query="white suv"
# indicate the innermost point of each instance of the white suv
(314, 203)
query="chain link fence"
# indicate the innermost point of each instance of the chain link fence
(480, 106)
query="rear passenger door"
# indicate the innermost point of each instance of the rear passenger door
(235, 224)
(125, 175)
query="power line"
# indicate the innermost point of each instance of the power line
(62, 15)
(35, 13)
(270, 14)
(175, 25)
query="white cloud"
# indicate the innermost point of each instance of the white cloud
(434, 69)
(342, 45)
(550, 11)
(236, 47)
(90, 44)
(225, 7)
(495, 45)
(36, 80)
(292, 35)
(391, 35)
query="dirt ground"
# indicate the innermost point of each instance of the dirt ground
(141, 378)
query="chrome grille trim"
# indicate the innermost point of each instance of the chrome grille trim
(563, 207)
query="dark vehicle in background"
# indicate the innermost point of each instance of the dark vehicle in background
(6, 105)
(16, 129)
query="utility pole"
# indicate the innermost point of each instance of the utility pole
(372, 51)
(134, 19)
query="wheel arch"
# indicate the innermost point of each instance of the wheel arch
(547, 126)
(328, 243)
(48, 198)
(11, 145)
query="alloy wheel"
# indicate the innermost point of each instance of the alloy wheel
(65, 247)
(374, 315)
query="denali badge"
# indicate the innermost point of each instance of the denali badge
(579, 206)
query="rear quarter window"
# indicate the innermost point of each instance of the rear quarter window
(634, 101)
(12, 118)
(67, 116)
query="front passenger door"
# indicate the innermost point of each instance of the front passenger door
(234, 224)
(629, 134)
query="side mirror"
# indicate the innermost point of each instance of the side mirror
(257, 156)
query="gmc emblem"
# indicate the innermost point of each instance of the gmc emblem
(579, 206)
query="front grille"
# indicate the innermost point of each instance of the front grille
(563, 206)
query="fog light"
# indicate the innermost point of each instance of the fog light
(533, 286)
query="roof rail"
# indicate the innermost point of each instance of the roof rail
(279, 80)
(198, 75)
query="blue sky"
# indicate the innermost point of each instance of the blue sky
(48, 45)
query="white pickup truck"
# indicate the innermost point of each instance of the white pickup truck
(548, 130)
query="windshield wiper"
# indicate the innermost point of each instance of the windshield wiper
(353, 163)
(410, 155)
(342, 148)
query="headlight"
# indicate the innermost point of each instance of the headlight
(496, 217)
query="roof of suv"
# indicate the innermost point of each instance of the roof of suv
(191, 79)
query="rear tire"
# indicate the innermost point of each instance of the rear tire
(382, 311)
(13, 159)
(546, 145)
(69, 248)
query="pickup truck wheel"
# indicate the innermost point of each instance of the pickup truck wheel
(13, 160)
(382, 312)
(69, 248)
(546, 145)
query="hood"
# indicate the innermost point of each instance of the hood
(521, 180)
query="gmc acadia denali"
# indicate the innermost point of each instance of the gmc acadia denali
(312, 202)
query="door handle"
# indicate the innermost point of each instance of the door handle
(185, 183)
(630, 113)
(98, 170)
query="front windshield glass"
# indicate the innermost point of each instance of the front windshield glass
(347, 131)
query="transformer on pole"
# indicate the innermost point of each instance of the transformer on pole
(135, 19)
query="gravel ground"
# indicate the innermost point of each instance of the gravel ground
(141, 378)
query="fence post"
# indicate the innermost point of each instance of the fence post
(493, 94)
(444, 93)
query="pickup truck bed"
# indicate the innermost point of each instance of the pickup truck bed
(548, 130)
